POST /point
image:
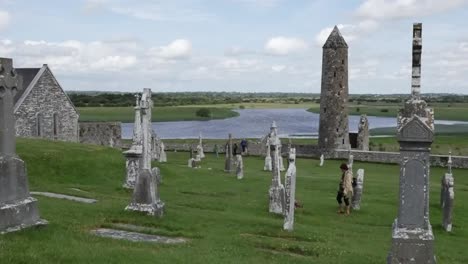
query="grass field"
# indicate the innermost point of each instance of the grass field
(442, 111)
(226, 220)
(160, 114)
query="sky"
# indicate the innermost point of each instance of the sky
(235, 45)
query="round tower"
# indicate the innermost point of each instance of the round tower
(333, 129)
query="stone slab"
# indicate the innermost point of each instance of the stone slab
(136, 237)
(66, 197)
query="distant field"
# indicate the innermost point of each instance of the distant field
(454, 111)
(160, 114)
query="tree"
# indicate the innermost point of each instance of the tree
(203, 112)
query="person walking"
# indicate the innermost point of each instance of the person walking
(345, 189)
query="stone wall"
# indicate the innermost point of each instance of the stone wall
(101, 133)
(50, 106)
(313, 151)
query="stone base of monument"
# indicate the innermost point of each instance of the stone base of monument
(276, 199)
(411, 246)
(19, 214)
(145, 195)
(18, 210)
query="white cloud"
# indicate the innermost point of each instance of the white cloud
(278, 68)
(391, 9)
(4, 19)
(240, 65)
(163, 11)
(176, 50)
(285, 46)
(350, 32)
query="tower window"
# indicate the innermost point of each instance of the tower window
(337, 130)
(39, 125)
(324, 109)
(56, 125)
(342, 61)
(343, 141)
(334, 74)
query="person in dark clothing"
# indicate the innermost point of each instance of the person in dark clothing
(234, 149)
(243, 145)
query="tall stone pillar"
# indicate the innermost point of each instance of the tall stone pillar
(363, 134)
(276, 191)
(146, 193)
(229, 161)
(412, 237)
(290, 191)
(18, 209)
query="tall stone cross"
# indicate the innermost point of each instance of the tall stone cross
(290, 191)
(18, 209)
(276, 191)
(137, 125)
(412, 236)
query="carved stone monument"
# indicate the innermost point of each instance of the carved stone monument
(290, 192)
(133, 155)
(447, 197)
(412, 237)
(363, 134)
(239, 167)
(146, 194)
(276, 191)
(350, 161)
(357, 194)
(18, 209)
(229, 161)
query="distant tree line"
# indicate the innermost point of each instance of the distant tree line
(83, 99)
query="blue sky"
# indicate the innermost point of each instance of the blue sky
(235, 45)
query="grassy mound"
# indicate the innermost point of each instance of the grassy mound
(226, 220)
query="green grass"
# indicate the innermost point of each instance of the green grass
(160, 114)
(442, 111)
(226, 220)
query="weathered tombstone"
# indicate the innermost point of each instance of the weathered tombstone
(155, 146)
(133, 155)
(350, 161)
(200, 147)
(240, 167)
(357, 194)
(290, 192)
(229, 161)
(191, 159)
(447, 197)
(412, 236)
(146, 194)
(18, 209)
(281, 164)
(363, 134)
(322, 160)
(276, 191)
(162, 153)
(268, 165)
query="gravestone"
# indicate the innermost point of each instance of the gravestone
(268, 166)
(18, 209)
(200, 147)
(322, 160)
(240, 167)
(133, 155)
(229, 161)
(276, 192)
(358, 189)
(412, 236)
(146, 194)
(162, 153)
(363, 134)
(290, 192)
(350, 161)
(447, 197)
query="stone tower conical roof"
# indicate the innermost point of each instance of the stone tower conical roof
(335, 40)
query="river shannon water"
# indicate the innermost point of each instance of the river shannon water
(255, 123)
